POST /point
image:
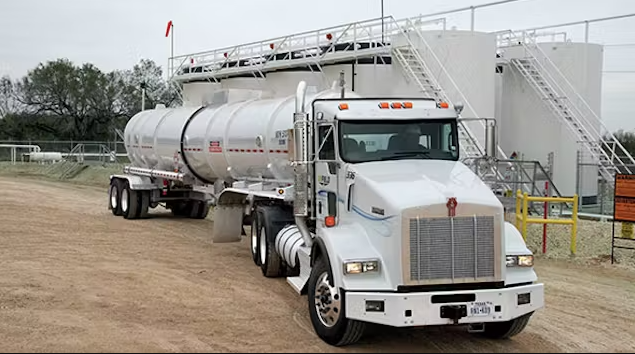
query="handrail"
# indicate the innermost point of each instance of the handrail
(522, 219)
(367, 30)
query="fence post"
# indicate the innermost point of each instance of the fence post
(574, 225)
(518, 211)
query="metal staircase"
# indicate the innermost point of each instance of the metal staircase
(568, 105)
(417, 72)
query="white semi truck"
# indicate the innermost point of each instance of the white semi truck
(361, 203)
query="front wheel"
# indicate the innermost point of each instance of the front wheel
(507, 329)
(327, 308)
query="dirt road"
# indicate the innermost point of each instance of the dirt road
(75, 278)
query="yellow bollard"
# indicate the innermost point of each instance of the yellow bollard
(627, 230)
(525, 207)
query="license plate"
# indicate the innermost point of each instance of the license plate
(478, 309)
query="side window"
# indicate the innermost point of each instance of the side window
(446, 137)
(327, 141)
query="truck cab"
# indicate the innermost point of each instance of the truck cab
(406, 234)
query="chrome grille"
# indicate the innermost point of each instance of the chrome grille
(452, 248)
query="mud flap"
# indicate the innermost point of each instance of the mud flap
(228, 223)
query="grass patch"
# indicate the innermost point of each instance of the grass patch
(93, 175)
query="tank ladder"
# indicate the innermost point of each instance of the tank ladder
(568, 106)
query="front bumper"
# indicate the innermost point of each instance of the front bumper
(444, 308)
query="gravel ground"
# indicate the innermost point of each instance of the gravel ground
(75, 278)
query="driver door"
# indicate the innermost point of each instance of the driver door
(326, 172)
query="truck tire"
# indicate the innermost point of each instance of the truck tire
(327, 308)
(270, 261)
(200, 209)
(129, 202)
(507, 329)
(113, 197)
(144, 204)
(255, 242)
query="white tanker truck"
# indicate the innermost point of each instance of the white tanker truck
(360, 202)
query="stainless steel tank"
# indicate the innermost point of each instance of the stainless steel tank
(246, 138)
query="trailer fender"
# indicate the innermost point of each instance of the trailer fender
(136, 182)
(238, 195)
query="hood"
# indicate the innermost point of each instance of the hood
(411, 183)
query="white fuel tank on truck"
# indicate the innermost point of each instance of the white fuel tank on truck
(245, 138)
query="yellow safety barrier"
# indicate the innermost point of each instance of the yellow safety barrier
(522, 220)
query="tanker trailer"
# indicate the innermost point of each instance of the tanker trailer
(361, 203)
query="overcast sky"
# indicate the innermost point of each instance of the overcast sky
(115, 34)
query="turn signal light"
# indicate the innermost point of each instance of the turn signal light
(329, 221)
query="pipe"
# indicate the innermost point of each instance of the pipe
(36, 148)
(301, 157)
(490, 140)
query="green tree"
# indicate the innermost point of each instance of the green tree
(59, 100)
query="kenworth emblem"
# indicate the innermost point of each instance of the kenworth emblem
(451, 206)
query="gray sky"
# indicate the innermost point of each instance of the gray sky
(115, 34)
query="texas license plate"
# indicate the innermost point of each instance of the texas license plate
(480, 309)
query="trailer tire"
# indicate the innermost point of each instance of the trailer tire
(255, 242)
(339, 331)
(129, 202)
(179, 208)
(507, 329)
(270, 261)
(113, 197)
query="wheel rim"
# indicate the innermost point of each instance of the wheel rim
(263, 245)
(254, 238)
(113, 196)
(124, 200)
(328, 302)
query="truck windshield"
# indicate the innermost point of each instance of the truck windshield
(373, 140)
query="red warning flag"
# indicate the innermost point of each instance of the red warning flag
(167, 30)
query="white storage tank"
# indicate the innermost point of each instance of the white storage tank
(284, 83)
(463, 63)
(249, 83)
(529, 126)
(44, 156)
(198, 93)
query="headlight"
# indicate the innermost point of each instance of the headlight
(520, 261)
(357, 267)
